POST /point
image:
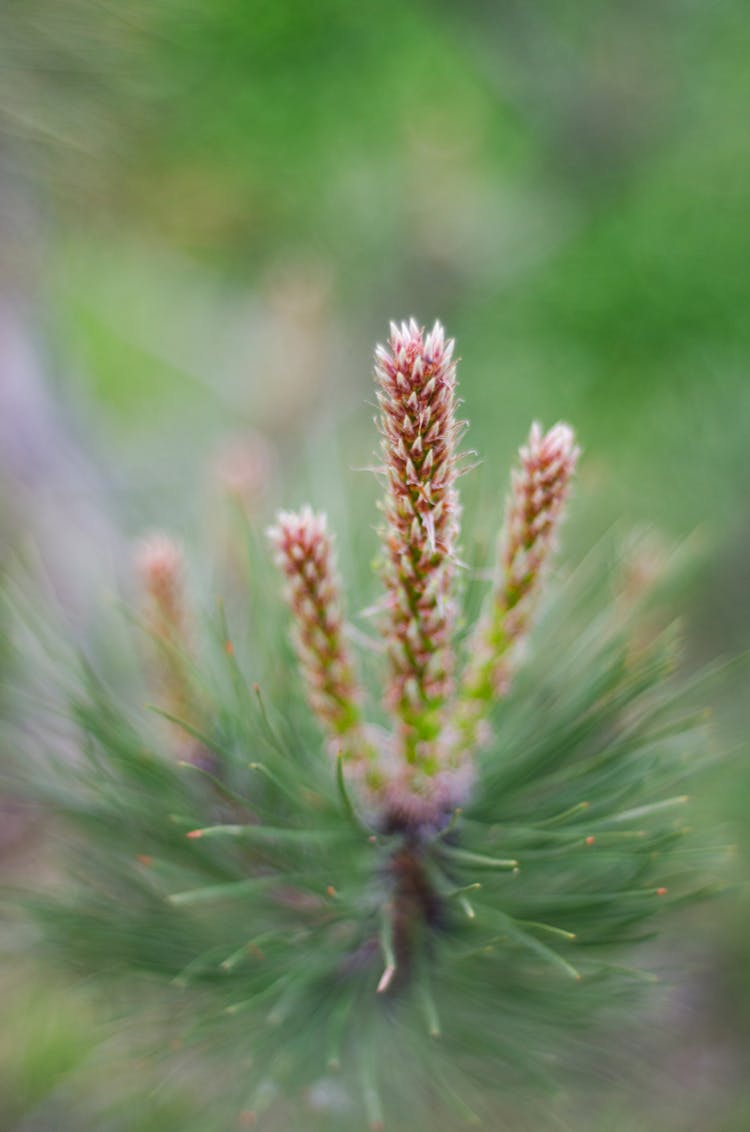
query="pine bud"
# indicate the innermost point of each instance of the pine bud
(305, 555)
(417, 382)
(160, 567)
(534, 511)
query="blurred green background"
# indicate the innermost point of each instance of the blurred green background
(209, 210)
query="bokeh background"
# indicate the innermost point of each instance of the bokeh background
(209, 210)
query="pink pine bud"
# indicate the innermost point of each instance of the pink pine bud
(417, 383)
(160, 567)
(304, 554)
(534, 511)
(244, 469)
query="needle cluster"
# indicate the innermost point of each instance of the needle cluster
(425, 914)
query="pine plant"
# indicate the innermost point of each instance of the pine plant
(389, 895)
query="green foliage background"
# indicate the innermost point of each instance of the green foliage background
(220, 204)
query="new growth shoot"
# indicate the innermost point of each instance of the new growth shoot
(423, 769)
